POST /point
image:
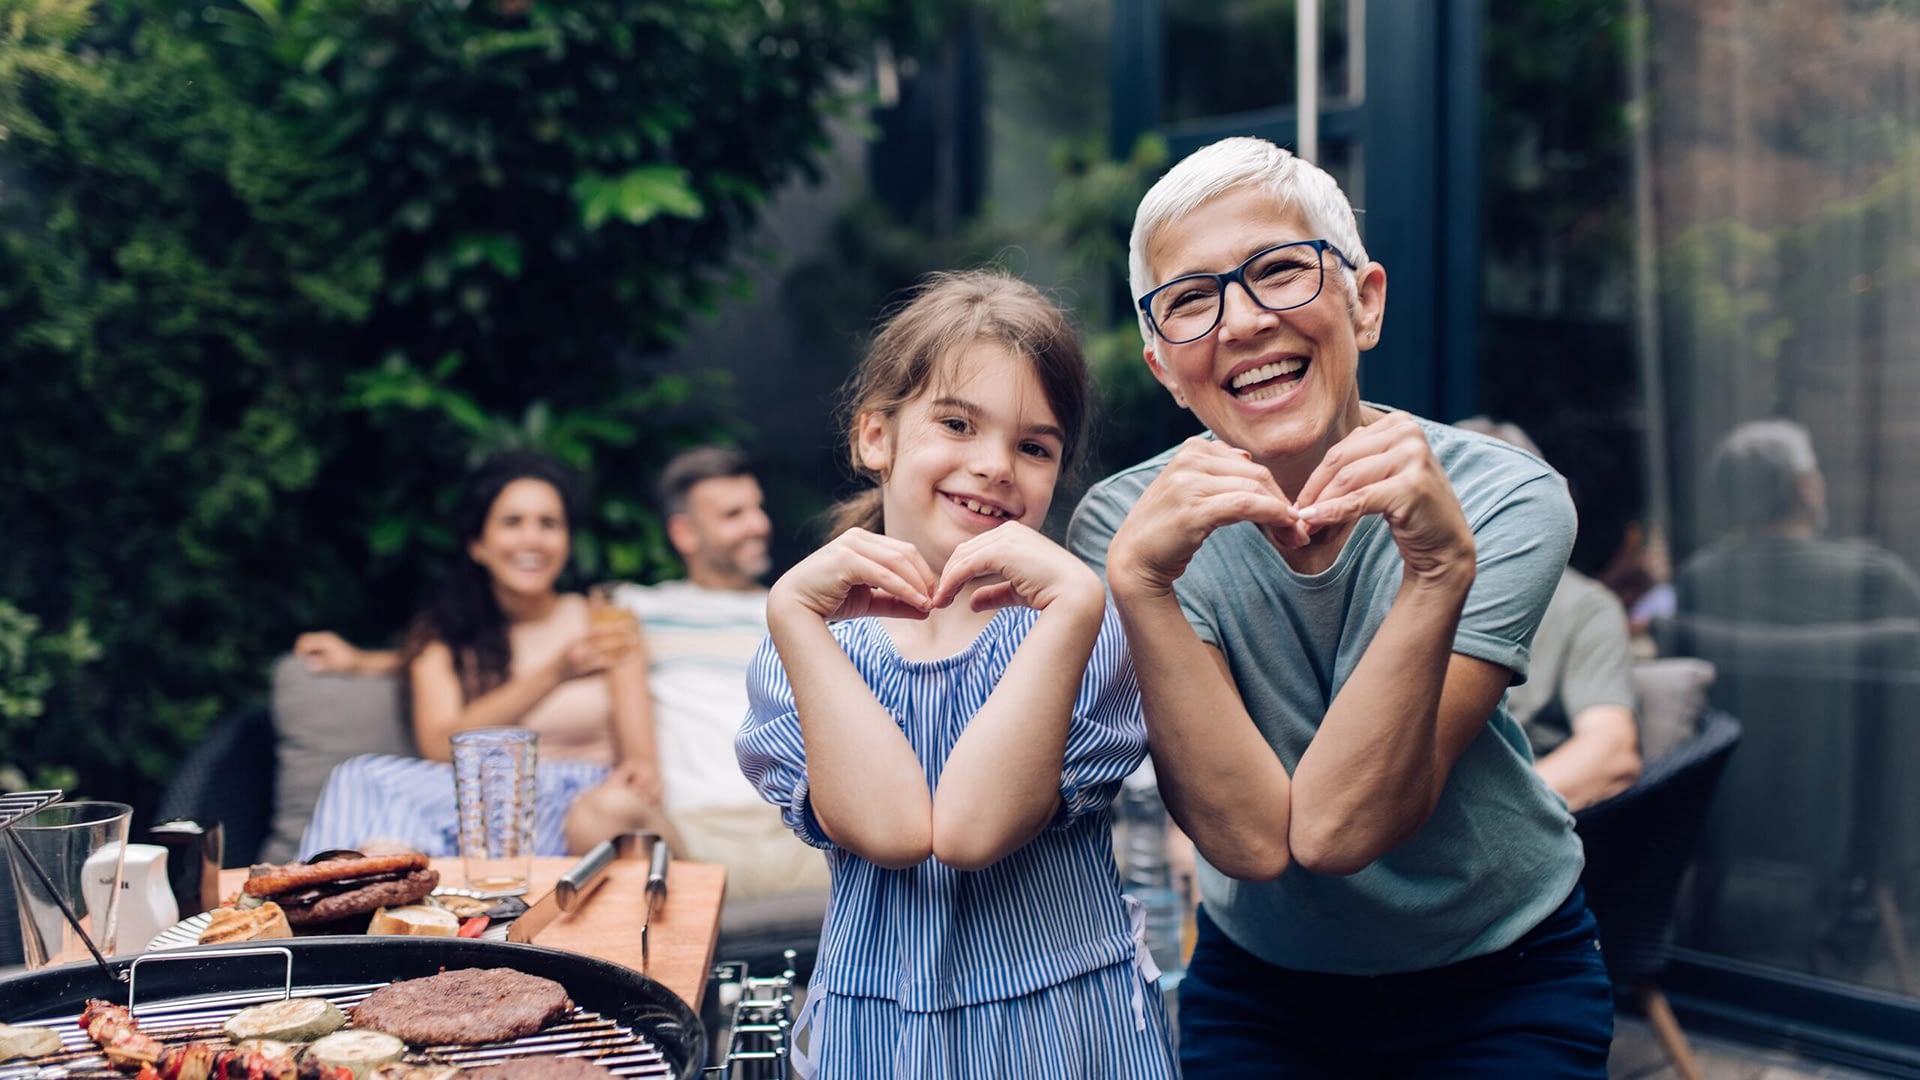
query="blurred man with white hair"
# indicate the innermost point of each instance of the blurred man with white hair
(1774, 564)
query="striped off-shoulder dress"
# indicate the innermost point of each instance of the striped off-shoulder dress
(1031, 967)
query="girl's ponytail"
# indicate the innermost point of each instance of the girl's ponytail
(858, 511)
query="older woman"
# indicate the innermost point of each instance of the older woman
(1326, 602)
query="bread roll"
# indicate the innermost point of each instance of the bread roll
(246, 924)
(26, 1042)
(415, 920)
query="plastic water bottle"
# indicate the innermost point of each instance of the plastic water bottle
(1146, 876)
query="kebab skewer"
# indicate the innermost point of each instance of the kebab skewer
(129, 1049)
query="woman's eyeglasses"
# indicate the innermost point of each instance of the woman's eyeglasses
(1279, 278)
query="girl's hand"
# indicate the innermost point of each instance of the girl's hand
(859, 573)
(1387, 468)
(642, 777)
(1021, 567)
(1205, 486)
(600, 648)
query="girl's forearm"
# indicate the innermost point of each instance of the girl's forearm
(1001, 784)
(867, 787)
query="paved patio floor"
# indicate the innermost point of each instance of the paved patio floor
(1637, 1056)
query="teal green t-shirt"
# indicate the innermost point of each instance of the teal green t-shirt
(1499, 853)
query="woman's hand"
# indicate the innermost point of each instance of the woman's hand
(1019, 566)
(600, 648)
(859, 573)
(1206, 485)
(324, 650)
(1387, 468)
(640, 776)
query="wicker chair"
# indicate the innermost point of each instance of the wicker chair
(228, 778)
(1639, 844)
(1820, 792)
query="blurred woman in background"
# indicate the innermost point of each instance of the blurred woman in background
(502, 646)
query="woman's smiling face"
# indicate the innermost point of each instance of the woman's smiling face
(980, 448)
(524, 544)
(1282, 385)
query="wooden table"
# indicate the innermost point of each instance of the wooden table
(607, 923)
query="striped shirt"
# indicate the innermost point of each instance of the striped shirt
(699, 641)
(930, 937)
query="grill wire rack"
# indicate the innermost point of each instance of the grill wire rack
(758, 1031)
(18, 804)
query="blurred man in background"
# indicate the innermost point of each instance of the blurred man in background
(1577, 704)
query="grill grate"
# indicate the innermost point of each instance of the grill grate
(582, 1033)
(19, 804)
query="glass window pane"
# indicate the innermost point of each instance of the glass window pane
(1785, 180)
(1346, 163)
(1729, 295)
(1253, 42)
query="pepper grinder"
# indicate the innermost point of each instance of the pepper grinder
(194, 853)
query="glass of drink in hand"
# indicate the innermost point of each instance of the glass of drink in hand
(606, 613)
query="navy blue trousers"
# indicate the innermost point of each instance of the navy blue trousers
(1541, 1009)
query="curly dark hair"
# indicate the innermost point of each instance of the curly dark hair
(465, 615)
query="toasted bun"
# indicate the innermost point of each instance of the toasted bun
(267, 881)
(246, 924)
(415, 920)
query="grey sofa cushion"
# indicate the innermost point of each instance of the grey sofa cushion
(1672, 695)
(319, 721)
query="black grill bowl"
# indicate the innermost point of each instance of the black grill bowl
(621, 994)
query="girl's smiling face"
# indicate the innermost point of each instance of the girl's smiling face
(979, 448)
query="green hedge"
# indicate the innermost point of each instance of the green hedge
(272, 274)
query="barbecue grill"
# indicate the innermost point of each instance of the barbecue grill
(625, 1021)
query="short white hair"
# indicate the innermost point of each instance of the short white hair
(1230, 164)
(1757, 470)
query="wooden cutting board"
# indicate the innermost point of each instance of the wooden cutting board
(606, 924)
(606, 921)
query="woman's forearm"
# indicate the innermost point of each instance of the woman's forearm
(1221, 780)
(1376, 767)
(439, 715)
(633, 729)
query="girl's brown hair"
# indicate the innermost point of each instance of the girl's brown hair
(949, 312)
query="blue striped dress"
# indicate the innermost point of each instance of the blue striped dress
(409, 801)
(1031, 967)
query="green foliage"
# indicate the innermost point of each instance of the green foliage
(274, 272)
(1556, 148)
(33, 667)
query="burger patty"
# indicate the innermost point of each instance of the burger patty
(537, 1068)
(465, 1007)
(362, 900)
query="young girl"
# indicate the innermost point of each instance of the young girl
(945, 706)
